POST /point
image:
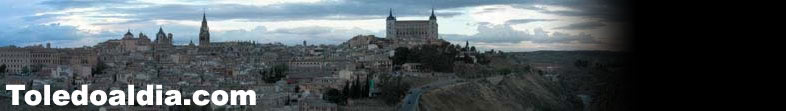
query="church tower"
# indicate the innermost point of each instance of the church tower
(204, 33)
(162, 39)
(128, 35)
(391, 25)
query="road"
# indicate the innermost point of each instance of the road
(410, 102)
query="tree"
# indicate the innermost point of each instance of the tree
(297, 89)
(365, 90)
(356, 88)
(400, 55)
(25, 70)
(335, 96)
(393, 89)
(36, 68)
(2, 70)
(345, 91)
(581, 63)
(274, 73)
(99, 68)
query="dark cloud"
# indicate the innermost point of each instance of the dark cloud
(524, 21)
(313, 34)
(506, 34)
(613, 10)
(121, 23)
(583, 26)
(271, 12)
(47, 33)
(352, 9)
(64, 4)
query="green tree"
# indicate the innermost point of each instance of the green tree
(345, 91)
(400, 55)
(274, 73)
(393, 89)
(335, 96)
(581, 63)
(25, 70)
(355, 88)
(365, 90)
(297, 89)
(36, 68)
(3, 70)
(99, 68)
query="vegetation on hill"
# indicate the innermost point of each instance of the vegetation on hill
(438, 58)
(275, 73)
(593, 80)
(3, 68)
(357, 89)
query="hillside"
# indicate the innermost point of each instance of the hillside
(541, 80)
(513, 93)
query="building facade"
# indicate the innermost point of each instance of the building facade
(412, 32)
(32, 58)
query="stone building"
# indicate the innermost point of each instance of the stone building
(408, 33)
(126, 44)
(163, 40)
(16, 58)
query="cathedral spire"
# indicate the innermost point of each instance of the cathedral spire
(160, 30)
(204, 32)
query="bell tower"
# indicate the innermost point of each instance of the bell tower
(204, 33)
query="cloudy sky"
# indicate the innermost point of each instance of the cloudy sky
(509, 25)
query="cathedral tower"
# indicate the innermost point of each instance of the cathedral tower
(204, 33)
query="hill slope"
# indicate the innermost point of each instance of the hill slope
(513, 93)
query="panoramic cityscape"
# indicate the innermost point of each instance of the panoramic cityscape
(316, 55)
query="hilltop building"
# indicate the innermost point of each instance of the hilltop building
(412, 32)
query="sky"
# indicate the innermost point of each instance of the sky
(508, 25)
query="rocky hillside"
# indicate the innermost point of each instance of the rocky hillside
(520, 92)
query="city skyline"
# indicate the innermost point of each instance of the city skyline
(502, 25)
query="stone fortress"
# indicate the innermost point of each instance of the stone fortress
(412, 32)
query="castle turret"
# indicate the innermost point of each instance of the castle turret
(160, 36)
(391, 25)
(433, 32)
(143, 38)
(432, 17)
(169, 39)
